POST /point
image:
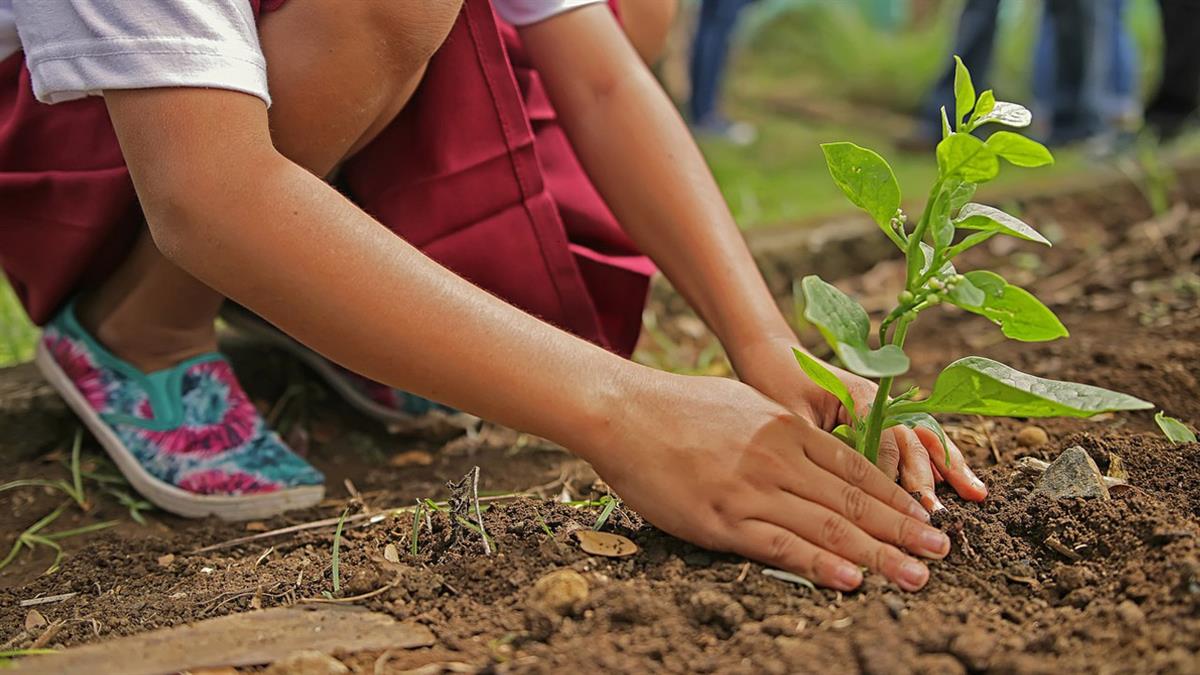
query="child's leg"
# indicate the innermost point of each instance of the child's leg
(339, 73)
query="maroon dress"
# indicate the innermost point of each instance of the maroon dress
(475, 171)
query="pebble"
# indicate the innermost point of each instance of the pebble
(561, 592)
(1032, 437)
(1073, 474)
(307, 662)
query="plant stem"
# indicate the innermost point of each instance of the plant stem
(874, 429)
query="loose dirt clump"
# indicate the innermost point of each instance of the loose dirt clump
(1032, 584)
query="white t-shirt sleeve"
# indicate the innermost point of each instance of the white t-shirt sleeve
(79, 47)
(525, 12)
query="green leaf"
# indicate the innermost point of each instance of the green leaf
(1018, 150)
(926, 257)
(825, 379)
(975, 385)
(1008, 114)
(865, 178)
(845, 434)
(964, 92)
(967, 295)
(1019, 314)
(940, 225)
(946, 130)
(914, 420)
(968, 242)
(966, 157)
(845, 326)
(1174, 430)
(960, 192)
(989, 219)
(985, 104)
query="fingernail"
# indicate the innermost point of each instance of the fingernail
(913, 575)
(917, 511)
(975, 482)
(935, 541)
(937, 504)
(847, 577)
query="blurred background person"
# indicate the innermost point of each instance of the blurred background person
(1178, 95)
(1084, 64)
(1106, 83)
(710, 52)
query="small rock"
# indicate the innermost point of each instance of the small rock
(34, 622)
(391, 554)
(256, 526)
(1032, 437)
(1130, 613)
(166, 560)
(307, 662)
(561, 592)
(1073, 474)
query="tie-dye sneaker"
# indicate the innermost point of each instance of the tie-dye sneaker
(187, 438)
(400, 410)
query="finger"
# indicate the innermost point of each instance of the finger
(830, 454)
(775, 546)
(873, 516)
(958, 474)
(888, 459)
(937, 475)
(916, 471)
(830, 531)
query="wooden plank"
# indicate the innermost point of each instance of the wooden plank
(246, 639)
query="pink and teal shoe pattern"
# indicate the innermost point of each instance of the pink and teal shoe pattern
(191, 426)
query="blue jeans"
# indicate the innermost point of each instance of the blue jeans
(974, 43)
(1109, 87)
(710, 52)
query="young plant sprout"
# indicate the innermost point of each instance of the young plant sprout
(949, 225)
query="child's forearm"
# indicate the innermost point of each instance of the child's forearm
(272, 236)
(641, 157)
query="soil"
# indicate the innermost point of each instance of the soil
(1032, 585)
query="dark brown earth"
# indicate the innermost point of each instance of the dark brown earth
(1031, 586)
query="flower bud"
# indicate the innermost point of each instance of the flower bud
(936, 284)
(906, 297)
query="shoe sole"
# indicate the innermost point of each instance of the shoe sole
(160, 493)
(240, 320)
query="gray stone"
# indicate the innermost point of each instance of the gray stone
(1073, 474)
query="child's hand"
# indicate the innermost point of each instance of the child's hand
(717, 463)
(917, 457)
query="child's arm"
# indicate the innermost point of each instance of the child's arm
(707, 459)
(641, 157)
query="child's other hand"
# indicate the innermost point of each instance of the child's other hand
(715, 462)
(916, 457)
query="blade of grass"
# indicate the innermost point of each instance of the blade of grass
(604, 515)
(337, 545)
(542, 522)
(416, 528)
(76, 476)
(94, 527)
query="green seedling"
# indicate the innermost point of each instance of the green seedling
(33, 537)
(949, 225)
(544, 526)
(9, 657)
(418, 511)
(610, 504)
(73, 489)
(1173, 429)
(337, 555)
